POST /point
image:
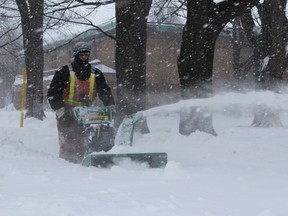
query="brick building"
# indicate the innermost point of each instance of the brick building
(163, 46)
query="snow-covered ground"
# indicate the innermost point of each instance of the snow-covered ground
(241, 172)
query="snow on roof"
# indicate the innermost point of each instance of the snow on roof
(95, 63)
(105, 69)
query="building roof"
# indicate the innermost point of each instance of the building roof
(48, 75)
(105, 69)
(86, 34)
(110, 27)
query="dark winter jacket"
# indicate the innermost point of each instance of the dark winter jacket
(82, 71)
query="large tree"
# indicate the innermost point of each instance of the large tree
(269, 59)
(205, 21)
(31, 12)
(131, 30)
(268, 43)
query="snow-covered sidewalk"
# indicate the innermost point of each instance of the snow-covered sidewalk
(241, 172)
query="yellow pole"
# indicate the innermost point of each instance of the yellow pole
(23, 98)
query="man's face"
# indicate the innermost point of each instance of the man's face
(84, 56)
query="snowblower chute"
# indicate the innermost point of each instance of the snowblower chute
(99, 126)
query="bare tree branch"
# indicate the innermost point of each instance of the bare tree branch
(83, 2)
(10, 41)
(83, 23)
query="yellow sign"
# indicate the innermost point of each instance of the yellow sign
(23, 99)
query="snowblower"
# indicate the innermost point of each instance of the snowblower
(102, 136)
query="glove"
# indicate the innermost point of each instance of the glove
(64, 115)
(60, 113)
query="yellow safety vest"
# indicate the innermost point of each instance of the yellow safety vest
(70, 98)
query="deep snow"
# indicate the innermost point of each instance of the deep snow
(241, 172)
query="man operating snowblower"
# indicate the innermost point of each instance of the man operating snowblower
(75, 85)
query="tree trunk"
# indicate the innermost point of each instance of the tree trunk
(195, 66)
(32, 27)
(240, 73)
(269, 58)
(265, 117)
(205, 21)
(131, 37)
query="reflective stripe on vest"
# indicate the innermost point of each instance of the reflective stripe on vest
(70, 100)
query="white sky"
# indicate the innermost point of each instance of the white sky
(102, 15)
